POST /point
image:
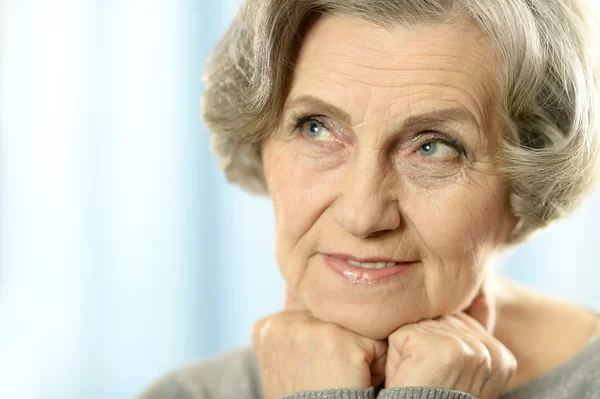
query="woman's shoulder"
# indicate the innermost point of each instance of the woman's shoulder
(579, 377)
(234, 374)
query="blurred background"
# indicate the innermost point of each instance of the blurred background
(123, 252)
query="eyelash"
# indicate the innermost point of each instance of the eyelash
(298, 120)
(444, 138)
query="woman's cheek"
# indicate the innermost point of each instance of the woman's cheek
(454, 242)
(300, 197)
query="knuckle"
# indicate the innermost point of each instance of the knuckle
(276, 326)
(484, 358)
(455, 351)
(457, 346)
(401, 333)
(509, 360)
(501, 357)
(480, 350)
(256, 330)
(260, 331)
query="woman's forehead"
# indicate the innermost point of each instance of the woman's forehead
(385, 73)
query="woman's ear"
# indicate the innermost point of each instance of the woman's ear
(517, 225)
(512, 228)
(514, 223)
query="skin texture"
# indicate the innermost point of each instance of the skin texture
(297, 352)
(352, 170)
(364, 185)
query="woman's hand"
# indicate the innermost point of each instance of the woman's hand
(298, 353)
(453, 352)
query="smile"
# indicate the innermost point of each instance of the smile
(378, 265)
(366, 271)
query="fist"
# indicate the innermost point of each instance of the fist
(453, 352)
(298, 353)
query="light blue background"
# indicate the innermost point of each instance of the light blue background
(123, 252)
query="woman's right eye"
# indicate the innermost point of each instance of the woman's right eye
(315, 130)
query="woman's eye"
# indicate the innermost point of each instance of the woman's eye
(434, 149)
(316, 130)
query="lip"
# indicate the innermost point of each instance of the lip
(364, 260)
(358, 275)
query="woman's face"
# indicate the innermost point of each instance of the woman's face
(386, 153)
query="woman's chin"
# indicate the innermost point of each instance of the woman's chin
(374, 322)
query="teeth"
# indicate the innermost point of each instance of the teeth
(378, 265)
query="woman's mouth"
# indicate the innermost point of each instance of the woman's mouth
(366, 271)
(366, 265)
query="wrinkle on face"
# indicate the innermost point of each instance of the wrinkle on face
(374, 195)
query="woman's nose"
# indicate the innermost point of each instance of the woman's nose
(368, 201)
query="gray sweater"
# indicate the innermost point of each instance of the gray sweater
(236, 375)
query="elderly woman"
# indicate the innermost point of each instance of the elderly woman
(404, 144)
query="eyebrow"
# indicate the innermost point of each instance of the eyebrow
(456, 114)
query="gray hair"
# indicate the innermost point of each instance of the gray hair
(548, 79)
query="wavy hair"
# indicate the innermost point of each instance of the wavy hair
(548, 80)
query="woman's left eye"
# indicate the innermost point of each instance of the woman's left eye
(315, 130)
(434, 149)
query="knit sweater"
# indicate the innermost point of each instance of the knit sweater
(236, 375)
